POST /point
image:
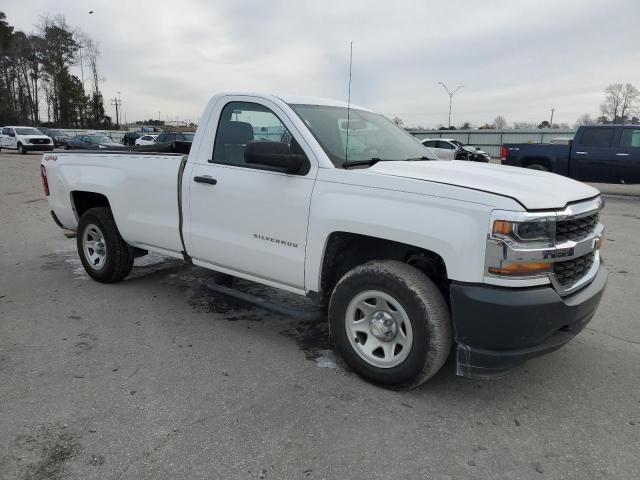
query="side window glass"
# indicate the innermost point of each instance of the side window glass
(597, 137)
(445, 145)
(242, 123)
(630, 138)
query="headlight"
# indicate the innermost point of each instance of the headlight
(515, 243)
(538, 230)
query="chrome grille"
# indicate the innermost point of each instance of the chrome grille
(569, 272)
(576, 228)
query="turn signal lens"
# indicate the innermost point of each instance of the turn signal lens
(515, 269)
(599, 242)
(500, 227)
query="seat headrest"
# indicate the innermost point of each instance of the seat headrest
(237, 133)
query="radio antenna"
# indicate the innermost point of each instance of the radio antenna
(346, 149)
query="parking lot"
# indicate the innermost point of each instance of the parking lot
(161, 377)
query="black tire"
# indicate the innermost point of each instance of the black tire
(118, 262)
(21, 149)
(537, 166)
(425, 307)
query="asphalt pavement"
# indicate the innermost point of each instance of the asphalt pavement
(159, 377)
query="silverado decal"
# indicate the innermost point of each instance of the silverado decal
(275, 240)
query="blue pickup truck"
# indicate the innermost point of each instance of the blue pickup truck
(598, 153)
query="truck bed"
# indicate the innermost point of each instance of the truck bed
(127, 178)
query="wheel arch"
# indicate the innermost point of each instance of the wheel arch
(84, 200)
(544, 161)
(346, 250)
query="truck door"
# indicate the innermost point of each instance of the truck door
(245, 218)
(627, 156)
(592, 156)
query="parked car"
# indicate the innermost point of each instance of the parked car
(411, 254)
(129, 138)
(598, 153)
(25, 139)
(92, 142)
(176, 142)
(59, 138)
(146, 140)
(451, 149)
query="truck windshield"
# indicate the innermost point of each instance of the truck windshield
(28, 131)
(371, 136)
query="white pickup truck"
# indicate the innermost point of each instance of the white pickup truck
(412, 255)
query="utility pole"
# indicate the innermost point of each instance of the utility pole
(81, 68)
(551, 123)
(116, 102)
(451, 94)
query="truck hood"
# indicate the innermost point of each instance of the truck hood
(533, 189)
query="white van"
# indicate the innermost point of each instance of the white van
(25, 139)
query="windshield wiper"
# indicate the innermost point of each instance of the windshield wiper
(417, 159)
(356, 163)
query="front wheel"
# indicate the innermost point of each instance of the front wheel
(21, 149)
(104, 254)
(390, 323)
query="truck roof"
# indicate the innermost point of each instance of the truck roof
(299, 99)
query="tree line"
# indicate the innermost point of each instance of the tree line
(36, 83)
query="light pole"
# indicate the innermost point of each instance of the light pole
(451, 94)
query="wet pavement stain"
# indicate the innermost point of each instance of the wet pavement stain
(244, 301)
(45, 452)
(312, 337)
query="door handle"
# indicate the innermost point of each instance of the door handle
(582, 153)
(622, 154)
(205, 179)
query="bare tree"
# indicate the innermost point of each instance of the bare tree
(620, 102)
(398, 121)
(584, 119)
(524, 125)
(499, 122)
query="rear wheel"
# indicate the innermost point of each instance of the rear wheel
(104, 254)
(390, 323)
(537, 166)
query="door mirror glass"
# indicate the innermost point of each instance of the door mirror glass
(276, 155)
(11, 134)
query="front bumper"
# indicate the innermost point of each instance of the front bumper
(498, 329)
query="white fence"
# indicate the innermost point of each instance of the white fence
(113, 134)
(492, 140)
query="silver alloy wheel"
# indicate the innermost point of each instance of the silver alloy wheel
(94, 246)
(379, 329)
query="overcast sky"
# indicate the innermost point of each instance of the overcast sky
(515, 58)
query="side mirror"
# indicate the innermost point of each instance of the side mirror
(275, 156)
(11, 134)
